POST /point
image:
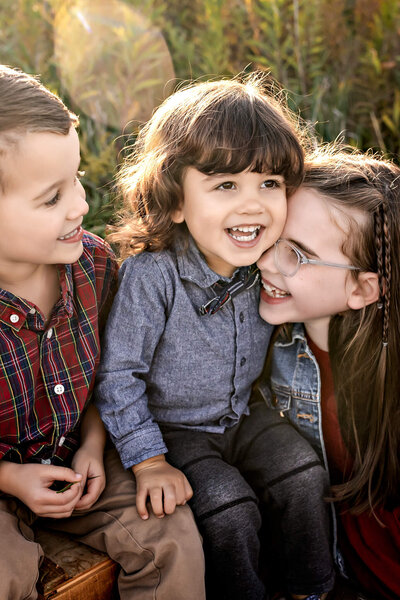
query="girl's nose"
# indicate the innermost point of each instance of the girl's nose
(266, 261)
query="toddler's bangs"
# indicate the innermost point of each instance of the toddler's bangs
(239, 144)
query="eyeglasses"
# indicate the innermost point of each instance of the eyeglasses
(288, 259)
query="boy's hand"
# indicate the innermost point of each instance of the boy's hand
(88, 461)
(166, 486)
(31, 483)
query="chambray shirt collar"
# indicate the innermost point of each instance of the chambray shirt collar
(15, 311)
(192, 265)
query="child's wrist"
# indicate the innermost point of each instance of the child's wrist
(148, 463)
(93, 446)
(8, 470)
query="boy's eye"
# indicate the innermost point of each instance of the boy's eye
(226, 185)
(53, 200)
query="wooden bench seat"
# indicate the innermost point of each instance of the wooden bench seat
(74, 571)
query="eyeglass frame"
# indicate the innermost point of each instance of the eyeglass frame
(303, 260)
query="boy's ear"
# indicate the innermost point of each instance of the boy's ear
(177, 215)
(364, 292)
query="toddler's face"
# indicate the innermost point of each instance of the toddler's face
(233, 218)
(43, 203)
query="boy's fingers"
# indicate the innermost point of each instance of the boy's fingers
(63, 474)
(64, 498)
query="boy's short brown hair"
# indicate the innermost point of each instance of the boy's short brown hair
(27, 106)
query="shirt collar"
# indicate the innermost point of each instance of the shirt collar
(67, 288)
(14, 310)
(192, 265)
(297, 332)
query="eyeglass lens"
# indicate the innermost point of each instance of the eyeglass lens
(286, 258)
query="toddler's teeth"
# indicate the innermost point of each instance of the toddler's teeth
(247, 233)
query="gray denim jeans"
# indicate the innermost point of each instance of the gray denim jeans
(261, 466)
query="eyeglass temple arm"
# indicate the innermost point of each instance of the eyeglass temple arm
(314, 261)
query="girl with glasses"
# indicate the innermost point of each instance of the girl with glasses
(333, 371)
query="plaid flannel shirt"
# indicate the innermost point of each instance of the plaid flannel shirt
(47, 370)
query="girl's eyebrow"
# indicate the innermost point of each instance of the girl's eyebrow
(303, 247)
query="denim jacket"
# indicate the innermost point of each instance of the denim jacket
(294, 389)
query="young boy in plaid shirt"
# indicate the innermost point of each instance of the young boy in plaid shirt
(56, 282)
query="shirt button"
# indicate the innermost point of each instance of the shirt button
(46, 461)
(32, 311)
(49, 333)
(242, 361)
(59, 389)
(14, 318)
(241, 317)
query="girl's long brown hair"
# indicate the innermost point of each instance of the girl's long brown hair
(224, 126)
(364, 345)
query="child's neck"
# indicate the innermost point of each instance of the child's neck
(38, 284)
(318, 331)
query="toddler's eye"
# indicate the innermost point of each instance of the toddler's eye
(226, 185)
(270, 183)
(53, 200)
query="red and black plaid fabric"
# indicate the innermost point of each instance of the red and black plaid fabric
(47, 370)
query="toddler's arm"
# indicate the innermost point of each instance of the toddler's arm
(31, 483)
(166, 486)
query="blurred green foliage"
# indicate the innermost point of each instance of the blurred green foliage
(339, 63)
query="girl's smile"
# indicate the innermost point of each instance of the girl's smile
(315, 292)
(271, 293)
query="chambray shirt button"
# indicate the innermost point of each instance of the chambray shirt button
(49, 333)
(241, 317)
(59, 389)
(14, 318)
(242, 361)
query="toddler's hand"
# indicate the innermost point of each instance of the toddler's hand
(166, 486)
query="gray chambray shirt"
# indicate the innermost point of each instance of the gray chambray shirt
(164, 363)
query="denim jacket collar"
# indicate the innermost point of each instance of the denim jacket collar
(297, 334)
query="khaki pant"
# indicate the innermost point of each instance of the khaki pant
(161, 559)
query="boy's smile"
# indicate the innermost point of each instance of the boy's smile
(74, 236)
(233, 218)
(43, 203)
